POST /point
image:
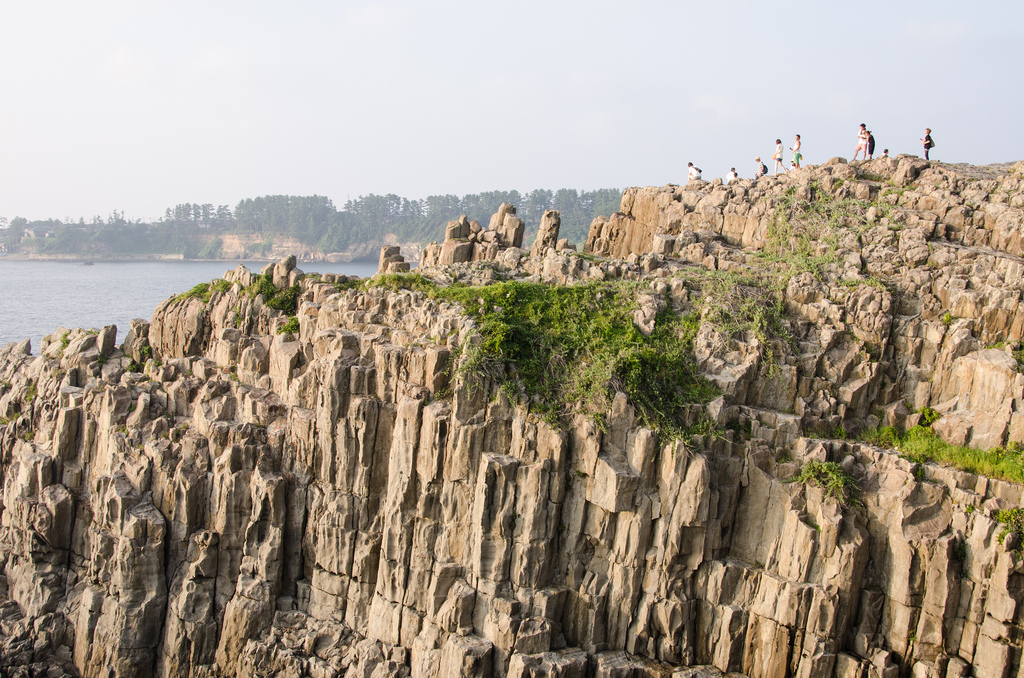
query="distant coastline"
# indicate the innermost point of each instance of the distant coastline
(78, 258)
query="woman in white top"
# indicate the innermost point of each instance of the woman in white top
(862, 142)
(778, 157)
(694, 171)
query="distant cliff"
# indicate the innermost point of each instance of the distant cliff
(290, 474)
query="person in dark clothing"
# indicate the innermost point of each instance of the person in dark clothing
(871, 145)
(927, 142)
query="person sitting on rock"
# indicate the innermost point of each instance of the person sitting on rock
(885, 152)
(731, 176)
(762, 169)
(694, 172)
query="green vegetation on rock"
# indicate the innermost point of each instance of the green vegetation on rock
(571, 347)
(286, 300)
(920, 445)
(203, 291)
(1012, 521)
(831, 477)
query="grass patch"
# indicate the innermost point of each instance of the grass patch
(570, 348)
(921, 445)
(837, 483)
(203, 291)
(352, 284)
(31, 392)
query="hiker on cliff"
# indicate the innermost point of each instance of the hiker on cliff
(927, 142)
(777, 157)
(862, 142)
(885, 152)
(694, 172)
(762, 169)
(797, 155)
(871, 145)
(731, 176)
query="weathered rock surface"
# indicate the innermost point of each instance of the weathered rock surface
(333, 502)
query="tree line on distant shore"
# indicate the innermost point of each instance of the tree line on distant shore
(193, 230)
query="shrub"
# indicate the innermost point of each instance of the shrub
(837, 483)
(1012, 521)
(292, 326)
(286, 300)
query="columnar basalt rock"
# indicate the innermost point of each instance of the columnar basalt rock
(343, 501)
(391, 261)
(547, 233)
(466, 241)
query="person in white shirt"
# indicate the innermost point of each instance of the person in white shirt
(694, 171)
(797, 155)
(732, 176)
(777, 157)
(862, 142)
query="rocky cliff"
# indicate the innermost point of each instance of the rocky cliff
(235, 493)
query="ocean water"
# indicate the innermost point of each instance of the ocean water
(37, 297)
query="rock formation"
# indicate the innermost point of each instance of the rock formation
(331, 497)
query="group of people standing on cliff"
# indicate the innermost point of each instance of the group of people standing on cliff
(865, 148)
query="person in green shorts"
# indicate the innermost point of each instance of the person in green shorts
(797, 155)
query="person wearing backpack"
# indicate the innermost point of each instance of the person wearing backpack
(694, 173)
(762, 169)
(927, 141)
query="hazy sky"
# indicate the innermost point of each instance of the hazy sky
(137, 105)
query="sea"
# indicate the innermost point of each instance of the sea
(37, 297)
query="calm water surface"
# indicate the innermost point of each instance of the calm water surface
(37, 297)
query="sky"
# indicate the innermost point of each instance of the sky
(138, 105)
